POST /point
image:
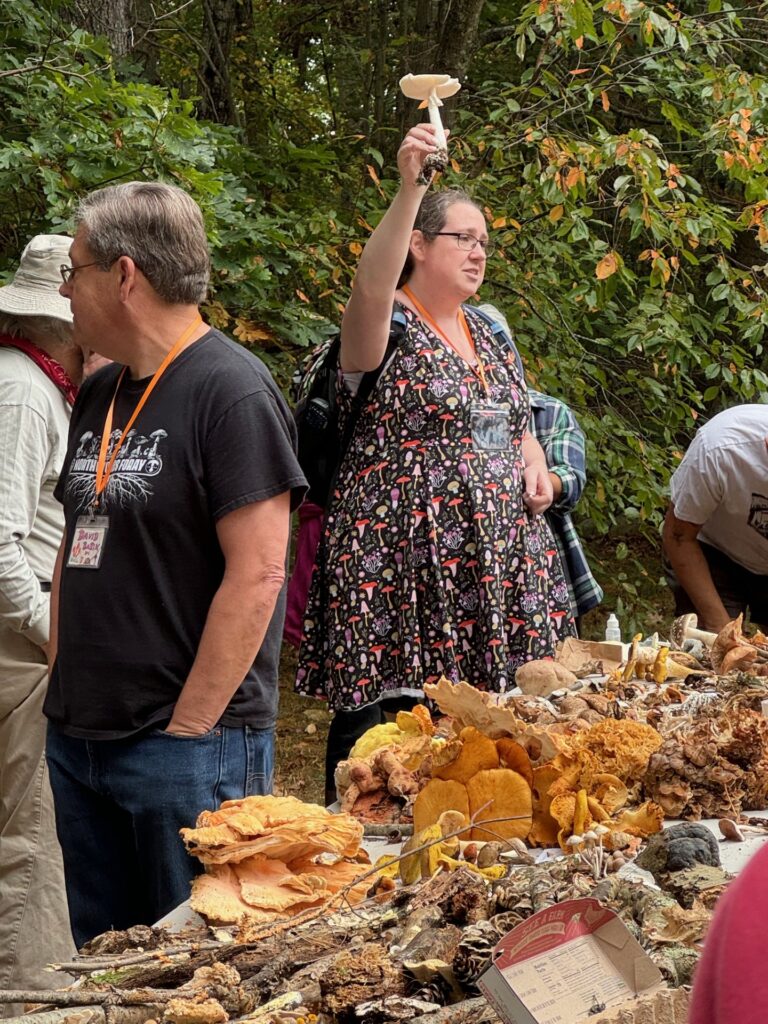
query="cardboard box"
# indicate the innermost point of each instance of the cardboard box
(567, 964)
(575, 654)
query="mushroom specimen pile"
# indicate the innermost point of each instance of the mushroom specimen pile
(272, 857)
(416, 955)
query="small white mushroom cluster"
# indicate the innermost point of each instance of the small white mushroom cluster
(592, 854)
(431, 89)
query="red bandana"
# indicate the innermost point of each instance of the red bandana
(53, 370)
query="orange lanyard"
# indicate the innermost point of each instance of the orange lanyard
(104, 471)
(479, 369)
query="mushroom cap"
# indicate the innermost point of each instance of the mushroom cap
(420, 87)
(679, 627)
(729, 636)
(730, 830)
(739, 657)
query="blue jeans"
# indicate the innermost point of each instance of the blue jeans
(120, 805)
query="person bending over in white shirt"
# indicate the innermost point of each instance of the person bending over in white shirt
(716, 530)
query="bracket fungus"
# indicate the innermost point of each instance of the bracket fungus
(431, 90)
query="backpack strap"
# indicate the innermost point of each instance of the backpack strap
(501, 333)
(368, 382)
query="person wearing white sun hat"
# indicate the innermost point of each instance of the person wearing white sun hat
(40, 369)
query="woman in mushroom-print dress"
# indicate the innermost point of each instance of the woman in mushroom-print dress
(433, 560)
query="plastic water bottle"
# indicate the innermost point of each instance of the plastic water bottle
(612, 630)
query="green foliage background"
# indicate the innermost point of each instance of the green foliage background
(619, 148)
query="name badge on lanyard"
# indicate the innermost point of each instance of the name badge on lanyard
(89, 538)
(490, 427)
(87, 547)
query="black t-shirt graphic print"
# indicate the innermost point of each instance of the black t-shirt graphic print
(215, 435)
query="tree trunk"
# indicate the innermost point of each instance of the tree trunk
(222, 21)
(115, 19)
(380, 73)
(445, 41)
(458, 36)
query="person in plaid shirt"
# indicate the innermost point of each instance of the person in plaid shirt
(562, 439)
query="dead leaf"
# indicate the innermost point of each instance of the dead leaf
(572, 178)
(607, 266)
(248, 332)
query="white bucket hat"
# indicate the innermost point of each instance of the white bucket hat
(34, 290)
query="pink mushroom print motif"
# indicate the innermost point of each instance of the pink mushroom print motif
(437, 565)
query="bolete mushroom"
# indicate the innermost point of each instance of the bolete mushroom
(431, 89)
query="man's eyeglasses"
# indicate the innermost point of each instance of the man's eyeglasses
(67, 272)
(468, 242)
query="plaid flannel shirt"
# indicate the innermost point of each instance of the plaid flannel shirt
(555, 427)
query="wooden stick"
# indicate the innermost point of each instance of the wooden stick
(470, 1011)
(90, 1015)
(77, 997)
(118, 960)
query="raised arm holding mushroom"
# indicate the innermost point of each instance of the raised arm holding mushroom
(432, 562)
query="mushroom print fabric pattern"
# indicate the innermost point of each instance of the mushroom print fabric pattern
(430, 563)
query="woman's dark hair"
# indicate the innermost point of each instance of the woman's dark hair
(431, 218)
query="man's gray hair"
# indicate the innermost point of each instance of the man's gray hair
(160, 227)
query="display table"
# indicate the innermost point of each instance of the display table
(733, 856)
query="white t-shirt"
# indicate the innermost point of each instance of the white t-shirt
(722, 483)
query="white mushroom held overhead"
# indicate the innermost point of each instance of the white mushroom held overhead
(431, 89)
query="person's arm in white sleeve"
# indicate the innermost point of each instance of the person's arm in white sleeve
(24, 452)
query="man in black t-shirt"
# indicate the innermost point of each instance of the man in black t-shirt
(168, 597)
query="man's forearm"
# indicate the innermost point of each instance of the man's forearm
(53, 634)
(234, 631)
(692, 571)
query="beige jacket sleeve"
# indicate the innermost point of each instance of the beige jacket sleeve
(25, 452)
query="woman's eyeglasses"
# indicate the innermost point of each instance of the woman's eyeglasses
(469, 242)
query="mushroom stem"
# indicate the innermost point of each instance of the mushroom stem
(433, 109)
